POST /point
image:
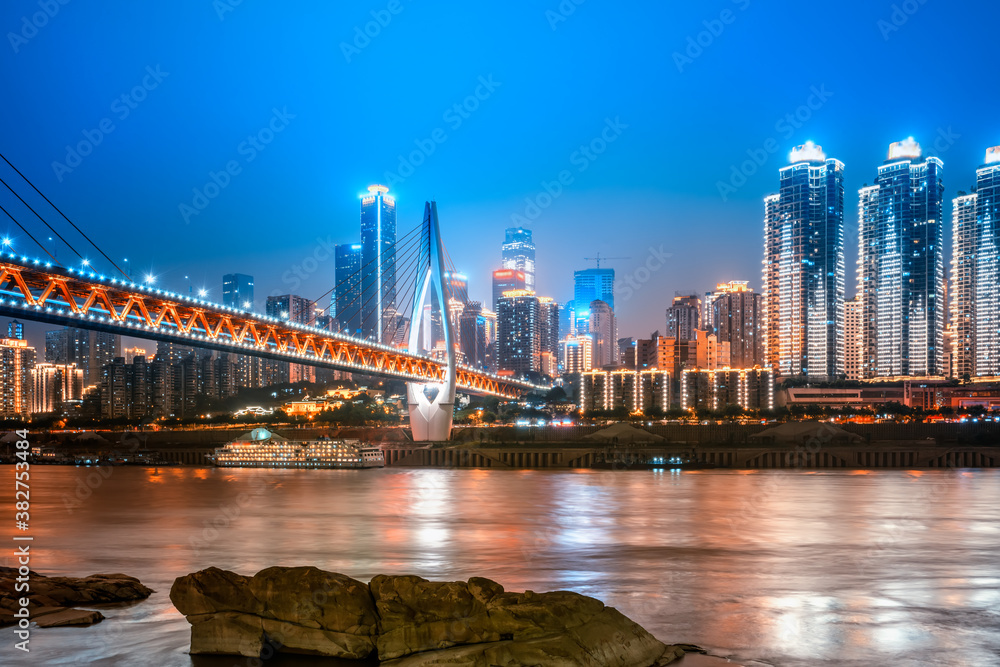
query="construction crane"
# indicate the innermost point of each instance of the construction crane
(599, 258)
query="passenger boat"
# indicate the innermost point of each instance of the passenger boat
(261, 448)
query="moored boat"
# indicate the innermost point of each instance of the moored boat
(261, 448)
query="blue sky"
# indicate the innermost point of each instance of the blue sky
(643, 108)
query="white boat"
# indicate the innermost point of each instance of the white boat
(261, 448)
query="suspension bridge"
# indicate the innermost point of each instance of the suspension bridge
(44, 290)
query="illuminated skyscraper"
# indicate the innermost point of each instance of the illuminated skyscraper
(591, 285)
(347, 290)
(519, 332)
(378, 263)
(901, 266)
(975, 274)
(237, 291)
(804, 266)
(684, 317)
(505, 280)
(518, 253)
(603, 331)
(16, 389)
(737, 312)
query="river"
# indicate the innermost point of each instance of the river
(788, 568)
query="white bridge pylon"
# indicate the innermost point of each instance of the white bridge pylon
(431, 404)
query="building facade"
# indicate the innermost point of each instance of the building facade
(378, 263)
(346, 306)
(684, 317)
(518, 253)
(853, 339)
(507, 280)
(749, 388)
(591, 285)
(237, 291)
(737, 317)
(901, 266)
(519, 332)
(804, 266)
(603, 331)
(639, 392)
(17, 360)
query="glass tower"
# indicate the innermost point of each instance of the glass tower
(518, 253)
(346, 306)
(237, 291)
(804, 266)
(591, 285)
(378, 263)
(901, 266)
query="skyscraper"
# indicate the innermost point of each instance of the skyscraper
(737, 312)
(804, 266)
(684, 317)
(237, 291)
(505, 280)
(378, 264)
(603, 331)
(16, 389)
(15, 330)
(975, 274)
(518, 332)
(293, 308)
(548, 318)
(518, 253)
(347, 291)
(89, 350)
(901, 266)
(591, 285)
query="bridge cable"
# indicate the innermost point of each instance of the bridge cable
(39, 243)
(64, 216)
(42, 219)
(408, 254)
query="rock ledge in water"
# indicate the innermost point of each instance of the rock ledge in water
(52, 598)
(407, 621)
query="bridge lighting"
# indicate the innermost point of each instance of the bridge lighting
(150, 278)
(203, 292)
(7, 241)
(86, 262)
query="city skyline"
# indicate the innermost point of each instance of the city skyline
(656, 177)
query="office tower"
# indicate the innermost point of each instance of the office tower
(487, 322)
(964, 247)
(15, 330)
(457, 286)
(16, 388)
(603, 331)
(591, 285)
(736, 316)
(131, 353)
(578, 354)
(53, 384)
(293, 308)
(518, 332)
(804, 266)
(518, 253)
(473, 346)
(378, 263)
(975, 274)
(852, 338)
(506, 280)
(684, 317)
(901, 266)
(548, 317)
(237, 291)
(346, 306)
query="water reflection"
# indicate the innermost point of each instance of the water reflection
(825, 568)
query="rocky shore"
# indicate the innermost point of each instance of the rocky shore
(52, 599)
(407, 621)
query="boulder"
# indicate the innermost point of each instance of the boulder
(69, 617)
(407, 621)
(296, 610)
(49, 595)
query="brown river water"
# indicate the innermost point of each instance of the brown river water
(776, 567)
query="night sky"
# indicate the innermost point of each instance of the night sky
(670, 97)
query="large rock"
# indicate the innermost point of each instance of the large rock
(296, 610)
(408, 621)
(560, 628)
(46, 594)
